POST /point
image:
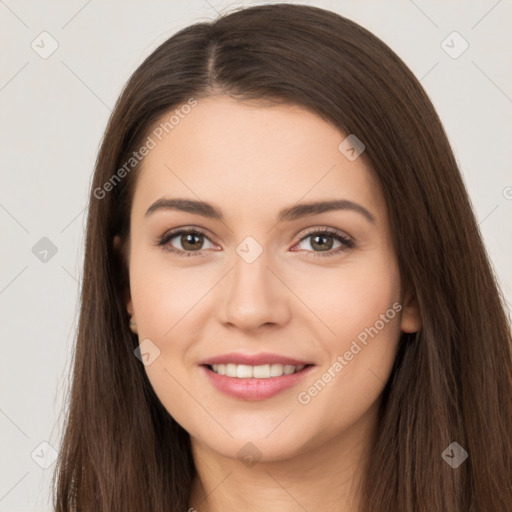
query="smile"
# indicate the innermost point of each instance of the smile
(253, 383)
(265, 371)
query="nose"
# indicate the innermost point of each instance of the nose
(254, 296)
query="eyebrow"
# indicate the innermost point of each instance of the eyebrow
(286, 215)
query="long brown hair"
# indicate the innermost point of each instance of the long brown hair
(451, 381)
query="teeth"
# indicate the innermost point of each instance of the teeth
(265, 371)
(243, 371)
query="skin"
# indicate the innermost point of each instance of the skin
(251, 161)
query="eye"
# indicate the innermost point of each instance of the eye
(323, 240)
(190, 240)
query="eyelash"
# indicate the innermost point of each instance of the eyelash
(346, 242)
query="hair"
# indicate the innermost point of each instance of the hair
(451, 381)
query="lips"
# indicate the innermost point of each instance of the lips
(254, 388)
(257, 376)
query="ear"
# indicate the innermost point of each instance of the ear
(129, 307)
(116, 243)
(411, 317)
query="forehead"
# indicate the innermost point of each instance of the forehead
(248, 155)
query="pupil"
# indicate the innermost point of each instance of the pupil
(317, 237)
(189, 240)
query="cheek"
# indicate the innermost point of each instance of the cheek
(165, 300)
(162, 295)
(362, 308)
(349, 299)
(359, 308)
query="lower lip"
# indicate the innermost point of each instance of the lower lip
(254, 389)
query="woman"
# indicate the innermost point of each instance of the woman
(338, 342)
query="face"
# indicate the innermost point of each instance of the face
(245, 290)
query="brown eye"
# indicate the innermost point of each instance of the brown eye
(323, 241)
(189, 242)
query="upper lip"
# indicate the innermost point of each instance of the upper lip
(254, 359)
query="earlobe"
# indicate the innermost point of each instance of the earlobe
(411, 318)
(129, 307)
(132, 324)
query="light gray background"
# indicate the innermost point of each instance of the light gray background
(54, 112)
